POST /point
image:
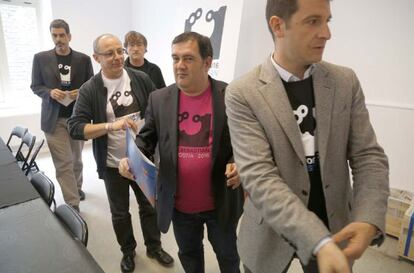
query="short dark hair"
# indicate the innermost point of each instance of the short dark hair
(204, 43)
(59, 23)
(281, 8)
(134, 37)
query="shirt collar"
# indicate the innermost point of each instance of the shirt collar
(289, 77)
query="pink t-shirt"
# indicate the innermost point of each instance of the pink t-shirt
(195, 123)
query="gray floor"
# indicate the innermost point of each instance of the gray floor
(103, 246)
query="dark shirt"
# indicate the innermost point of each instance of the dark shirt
(302, 100)
(152, 70)
(64, 65)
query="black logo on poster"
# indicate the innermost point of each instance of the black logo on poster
(217, 34)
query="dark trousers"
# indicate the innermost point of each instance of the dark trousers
(117, 190)
(311, 267)
(189, 234)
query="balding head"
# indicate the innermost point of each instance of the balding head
(109, 53)
(97, 41)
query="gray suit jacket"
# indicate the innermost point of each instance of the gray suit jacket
(270, 157)
(46, 76)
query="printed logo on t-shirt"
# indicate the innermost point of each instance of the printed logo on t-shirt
(307, 125)
(194, 193)
(123, 103)
(64, 71)
(187, 126)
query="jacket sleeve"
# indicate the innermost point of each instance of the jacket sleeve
(147, 138)
(89, 69)
(38, 86)
(369, 165)
(158, 78)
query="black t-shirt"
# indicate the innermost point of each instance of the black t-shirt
(302, 100)
(152, 70)
(65, 69)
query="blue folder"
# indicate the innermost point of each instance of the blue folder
(144, 171)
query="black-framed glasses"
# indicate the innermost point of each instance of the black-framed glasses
(111, 53)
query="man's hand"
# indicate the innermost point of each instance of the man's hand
(73, 94)
(233, 178)
(124, 123)
(331, 259)
(124, 170)
(359, 236)
(57, 94)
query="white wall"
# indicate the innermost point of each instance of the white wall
(375, 38)
(89, 19)
(255, 42)
(153, 20)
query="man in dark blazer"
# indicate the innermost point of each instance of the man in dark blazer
(57, 76)
(197, 181)
(298, 126)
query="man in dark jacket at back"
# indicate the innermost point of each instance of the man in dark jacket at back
(112, 99)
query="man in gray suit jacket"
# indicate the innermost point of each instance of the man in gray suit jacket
(297, 125)
(57, 76)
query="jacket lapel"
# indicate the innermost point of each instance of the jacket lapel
(54, 65)
(275, 96)
(324, 90)
(172, 112)
(218, 118)
(73, 63)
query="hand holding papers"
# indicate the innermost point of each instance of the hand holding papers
(144, 171)
(132, 121)
(66, 100)
(62, 97)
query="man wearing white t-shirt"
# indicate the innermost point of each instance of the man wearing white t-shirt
(110, 100)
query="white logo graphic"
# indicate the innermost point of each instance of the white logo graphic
(301, 113)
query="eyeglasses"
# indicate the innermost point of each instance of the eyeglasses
(111, 54)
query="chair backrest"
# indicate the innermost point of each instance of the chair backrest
(73, 222)
(32, 165)
(17, 132)
(44, 186)
(29, 141)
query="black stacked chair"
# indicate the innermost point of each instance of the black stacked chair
(45, 187)
(17, 132)
(72, 220)
(31, 167)
(25, 149)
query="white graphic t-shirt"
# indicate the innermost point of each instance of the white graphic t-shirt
(121, 102)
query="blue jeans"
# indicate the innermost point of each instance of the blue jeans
(189, 234)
